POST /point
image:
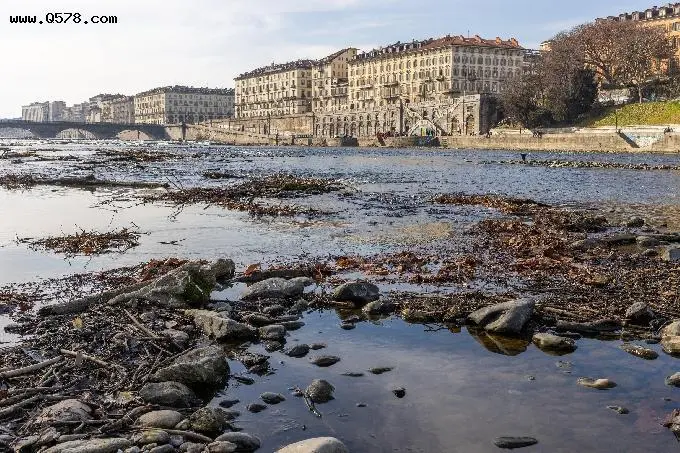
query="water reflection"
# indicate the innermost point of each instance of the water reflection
(457, 397)
(499, 344)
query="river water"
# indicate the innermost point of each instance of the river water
(459, 393)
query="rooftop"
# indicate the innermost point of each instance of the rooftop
(652, 13)
(274, 68)
(298, 64)
(435, 43)
(185, 89)
(333, 56)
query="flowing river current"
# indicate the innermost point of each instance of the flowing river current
(461, 392)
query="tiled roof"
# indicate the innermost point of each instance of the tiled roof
(435, 43)
(333, 56)
(274, 68)
(185, 89)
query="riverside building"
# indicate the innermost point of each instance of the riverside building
(178, 104)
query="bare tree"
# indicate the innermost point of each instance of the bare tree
(647, 51)
(620, 52)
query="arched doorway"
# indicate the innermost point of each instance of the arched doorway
(470, 126)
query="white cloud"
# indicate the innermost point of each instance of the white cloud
(155, 42)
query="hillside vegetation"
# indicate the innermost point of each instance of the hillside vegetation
(648, 113)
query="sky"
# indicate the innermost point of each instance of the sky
(209, 42)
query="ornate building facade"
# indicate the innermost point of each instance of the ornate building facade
(120, 110)
(666, 17)
(282, 89)
(177, 104)
(436, 86)
(330, 82)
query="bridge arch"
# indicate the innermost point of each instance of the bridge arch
(16, 132)
(76, 134)
(133, 134)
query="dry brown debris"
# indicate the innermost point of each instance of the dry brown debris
(241, 197)
(134, 155)
(88, 242)
(506, 205)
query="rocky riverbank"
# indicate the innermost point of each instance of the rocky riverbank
(133, 366)
(151, 357)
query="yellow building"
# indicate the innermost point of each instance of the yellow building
(330, 81)
(177, 104)
(666, 17)
(283, 89)
(436, 70)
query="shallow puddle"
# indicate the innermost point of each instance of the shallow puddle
(459, 395)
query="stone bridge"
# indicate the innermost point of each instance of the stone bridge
(65, 129)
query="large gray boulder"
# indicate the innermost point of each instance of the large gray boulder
(276, 288)
(316, 445)
(219, 326)
(90, 446)
(320, 391)
(507, 318)
(554, 344)
(188, 285)
(359, 292)
(165, 419)
(70, 410)
(172, 394)
(209, 420)
(639, 314)
(275, 332)
(197, 368)
(670, 338)
(244, 441)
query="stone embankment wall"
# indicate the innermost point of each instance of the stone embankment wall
(609, 142)
(283, 125)
(669, 144)
(196, 132)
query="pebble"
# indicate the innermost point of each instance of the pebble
(192, 447)
(325, 360)
(160, 419)
(317, 346)
(399, 392)
(256, 407)
(673, 380)
(272, 398)
(639, 351)
(293, 325)
(514, 442)
(352, 374)
(361, 404)
(245, 442)
(228, 403)
(244, 380)
(619, 410)
(600, 384)
(153, 436)
(163, 449)
(271, 346)
(347, 326)
(380, 370)
(320, 391)
(299, 350)
(221, 447)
